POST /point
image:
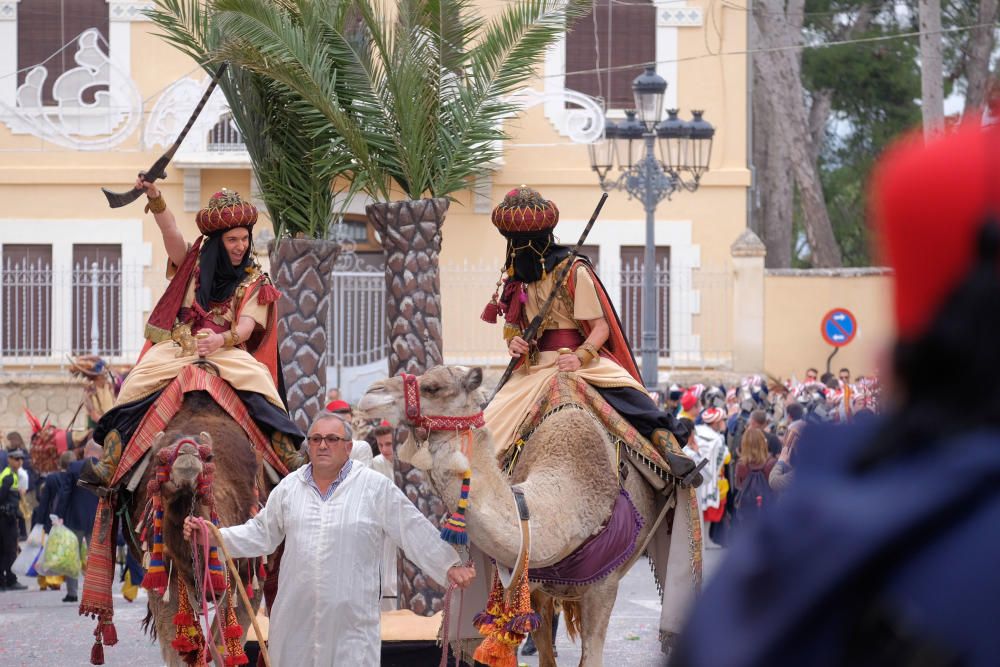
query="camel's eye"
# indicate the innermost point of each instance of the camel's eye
(209, 458)
(430, 389)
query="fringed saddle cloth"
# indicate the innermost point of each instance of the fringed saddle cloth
(567, 390)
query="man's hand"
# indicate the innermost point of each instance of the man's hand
(190, 525)
(461, 576)
(568, 362)
(151, 190)
(517, 347)
(210, 343)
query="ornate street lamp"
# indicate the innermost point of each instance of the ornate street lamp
(685, 152)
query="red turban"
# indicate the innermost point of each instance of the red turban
(225, 210)
(524, 210)
(928, 204)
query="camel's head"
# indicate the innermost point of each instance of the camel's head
(444, 391)
(186, 459)
(451, 391)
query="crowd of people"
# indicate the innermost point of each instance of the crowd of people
(748, 434)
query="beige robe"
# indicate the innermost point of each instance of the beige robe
(508, 409)
(161, 364)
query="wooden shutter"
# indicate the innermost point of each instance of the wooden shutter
(45, 26)
(26, 313)
(97, 299)
(625, 35)
(631, 296)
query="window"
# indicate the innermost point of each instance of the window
(631, 301)
(625, 35)
(97, 297)
(26, 297)
(44, 27)
(225, 137)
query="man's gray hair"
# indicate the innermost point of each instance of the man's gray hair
(323, 416)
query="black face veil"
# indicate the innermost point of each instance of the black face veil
(533, 254)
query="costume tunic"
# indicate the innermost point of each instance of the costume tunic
(160, 363)
(505, 412)
(390, 582)
(327, 608)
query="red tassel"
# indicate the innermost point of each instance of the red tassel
(109, 634)
(155, 581)
(490, 312)
(267, 293)
(184, 644)
(233, 632)
(233, 660)
(97, 654)
(183, 618)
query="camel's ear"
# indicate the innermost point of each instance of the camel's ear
(205, 438)
(473, 379)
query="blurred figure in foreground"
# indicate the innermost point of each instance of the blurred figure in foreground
(883, 551)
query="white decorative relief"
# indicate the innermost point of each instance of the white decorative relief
(173, 110)
(72, 122)
(125, 10)
(582, 125)
(680, 17)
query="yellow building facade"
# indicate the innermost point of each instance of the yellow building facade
(110, 96)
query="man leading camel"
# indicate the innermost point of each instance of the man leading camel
(333, 517)
(580, 333)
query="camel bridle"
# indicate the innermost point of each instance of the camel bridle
(416, 420)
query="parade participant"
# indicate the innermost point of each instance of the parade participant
(10, 508)
(219, 305)
(383, 440)
(333, 517)
(884, 550)
(581, 332)
(711, 445)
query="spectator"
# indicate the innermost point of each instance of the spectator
(332, 396)
(844, 375)
(10, 502)
(752, 471)
(361, 451)
(758, 420)
(383, 462)
(77, 507)
(812, 375)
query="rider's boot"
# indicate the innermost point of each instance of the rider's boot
(97, 475)
(681, 466)
(287, 450)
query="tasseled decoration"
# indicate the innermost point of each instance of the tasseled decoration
(216, 573)
(188, 640)
(233, 635)
(267, 293)
(453, 529)
(499, 648)
(97, 650)
(109, 634)
(156, 571)
(491, 311)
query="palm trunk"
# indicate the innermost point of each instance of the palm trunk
(411, 238)
(302, 271)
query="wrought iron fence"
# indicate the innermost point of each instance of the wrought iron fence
(632, 280)
(49, 312)
(356, 324)
(225, 137)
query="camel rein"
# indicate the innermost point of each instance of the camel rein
(201, 536)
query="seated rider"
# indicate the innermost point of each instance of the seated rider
(581, 332)
(218, 305)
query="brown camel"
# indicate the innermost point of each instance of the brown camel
(567, 473)
(237, 466)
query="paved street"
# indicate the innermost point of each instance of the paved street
(38, 630)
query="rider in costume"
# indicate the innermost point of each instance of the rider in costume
(581, 332)
(218, 305)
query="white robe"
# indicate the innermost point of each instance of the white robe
(327, 609)
(382, 465)
(711, 446)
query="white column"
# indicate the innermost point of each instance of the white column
(8, 51)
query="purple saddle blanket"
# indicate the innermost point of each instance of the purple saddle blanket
(602, 553)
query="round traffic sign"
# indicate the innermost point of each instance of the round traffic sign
(839, 327)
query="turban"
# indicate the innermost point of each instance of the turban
(225, 210)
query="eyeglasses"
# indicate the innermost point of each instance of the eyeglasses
(330, 439)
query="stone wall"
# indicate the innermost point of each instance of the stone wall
(55, 396)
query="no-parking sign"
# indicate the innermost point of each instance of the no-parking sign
(839, 327)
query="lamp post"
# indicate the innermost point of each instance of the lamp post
(685, 151)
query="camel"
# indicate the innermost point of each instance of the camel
(567, 473)
(237, 466)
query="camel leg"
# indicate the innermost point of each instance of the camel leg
(543, 605)
(595, 613)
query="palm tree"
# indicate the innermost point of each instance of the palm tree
(413, 94)
(294, 167)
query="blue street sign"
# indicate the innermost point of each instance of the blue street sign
(839, 327)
